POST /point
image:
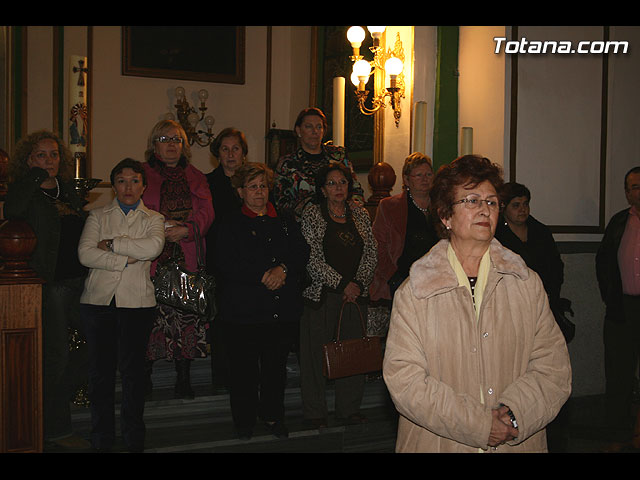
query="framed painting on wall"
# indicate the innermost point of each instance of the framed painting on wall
(200, 53)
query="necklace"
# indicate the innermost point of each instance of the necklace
(336, 215)
(57, 190)
(423, 210)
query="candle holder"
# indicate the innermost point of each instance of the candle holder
(85, 185)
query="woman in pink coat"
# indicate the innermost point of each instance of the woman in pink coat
(180, 192)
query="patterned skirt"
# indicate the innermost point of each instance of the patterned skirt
(177, 335)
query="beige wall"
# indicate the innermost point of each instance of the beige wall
(482, 90)
(125, 108)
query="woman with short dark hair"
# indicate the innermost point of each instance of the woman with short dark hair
(520, 232)
(474, 360)
(341, 266)
(118, 244)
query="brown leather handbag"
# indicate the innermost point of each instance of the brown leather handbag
(344, 358)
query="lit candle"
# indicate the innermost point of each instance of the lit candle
(467, 141)
(338, 111)
(420, 128)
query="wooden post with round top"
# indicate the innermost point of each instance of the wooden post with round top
(20, 341)
(382, 177)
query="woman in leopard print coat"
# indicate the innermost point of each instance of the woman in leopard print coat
(341, 266)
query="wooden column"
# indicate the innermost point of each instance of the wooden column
(21, 428)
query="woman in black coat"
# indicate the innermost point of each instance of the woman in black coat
(260, 259)
(521, 233)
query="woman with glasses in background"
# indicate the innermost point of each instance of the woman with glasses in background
(403, 228)
(180, 192)
(474, 360)
(343, 259)
(260, 260)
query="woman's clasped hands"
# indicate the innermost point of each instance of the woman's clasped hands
(502, 430)
(274, 278)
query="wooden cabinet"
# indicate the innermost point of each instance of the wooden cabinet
(20, 344)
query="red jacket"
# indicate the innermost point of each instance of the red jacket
(202, 209)
(389, 229)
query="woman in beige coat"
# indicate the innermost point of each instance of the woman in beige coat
(118, 243)
(474, 360)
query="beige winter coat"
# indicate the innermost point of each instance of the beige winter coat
(139, 235)
(445, 370)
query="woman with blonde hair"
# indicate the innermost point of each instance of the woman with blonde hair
(180, 192)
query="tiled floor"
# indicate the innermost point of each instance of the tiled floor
(204, 424)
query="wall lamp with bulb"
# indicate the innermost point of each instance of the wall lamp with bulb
(387, 63)
(189, 118)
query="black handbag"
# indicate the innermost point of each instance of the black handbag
(344, 358)
(191, 292)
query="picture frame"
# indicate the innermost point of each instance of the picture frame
(201, 53)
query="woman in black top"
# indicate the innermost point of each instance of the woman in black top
(520, 232)
(41, 192)
(260, 260)
(231, 149)
(341, 265)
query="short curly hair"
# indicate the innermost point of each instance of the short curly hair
(250, 170)
(18, 167)
(465, 171)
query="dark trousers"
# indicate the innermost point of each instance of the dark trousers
(258, 371)
(317, 327)
(65, 369)
(117, 338)
(622, 349)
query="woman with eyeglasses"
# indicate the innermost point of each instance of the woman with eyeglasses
(295, 184)
(260, 261)
(343, 259)
(180, 192)
(403, 228)
(474, 360)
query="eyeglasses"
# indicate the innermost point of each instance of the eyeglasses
(332, 183)
(420, 176)
(473, 203)
(255, 187)
(165, 139)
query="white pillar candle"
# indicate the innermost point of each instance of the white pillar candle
(467, 141)
(420, 128)
(78, 113)
(338, 111)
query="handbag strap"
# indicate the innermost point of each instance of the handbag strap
(344, 303)
(197, 238)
